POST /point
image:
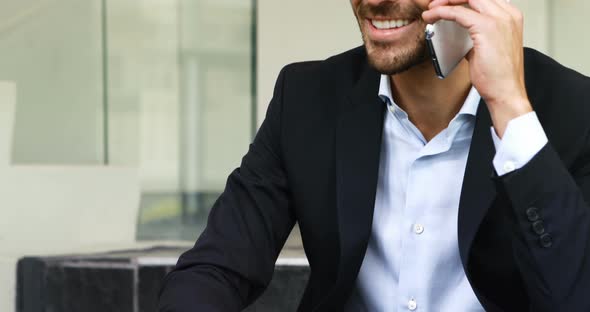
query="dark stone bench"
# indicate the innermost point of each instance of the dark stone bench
(128, 281)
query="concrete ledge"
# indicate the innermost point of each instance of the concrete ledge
(129, 281)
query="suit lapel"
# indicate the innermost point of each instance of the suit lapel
(358, 146)
(478, 189)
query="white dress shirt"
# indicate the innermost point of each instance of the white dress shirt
(412, 260)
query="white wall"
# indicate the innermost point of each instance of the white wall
(571, 20)
(290, 31)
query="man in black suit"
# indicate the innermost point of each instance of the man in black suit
(514, 232)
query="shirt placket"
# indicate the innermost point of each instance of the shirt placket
(410, 298)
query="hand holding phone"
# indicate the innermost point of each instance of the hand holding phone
(496, 58)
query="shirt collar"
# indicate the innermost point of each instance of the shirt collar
(469, 106)
(385, 90)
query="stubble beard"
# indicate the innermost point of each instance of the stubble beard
(393, 58)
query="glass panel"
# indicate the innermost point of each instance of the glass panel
(180, 104)
(52, 51)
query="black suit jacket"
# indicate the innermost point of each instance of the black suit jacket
(315, 160)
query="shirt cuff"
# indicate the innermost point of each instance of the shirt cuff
(523, 139)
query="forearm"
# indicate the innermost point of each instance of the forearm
(200, 288)
(551, 249)
(551, 217)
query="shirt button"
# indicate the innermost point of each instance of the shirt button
(391, 108)
(509, 166)
(418, 228)
(412, 304)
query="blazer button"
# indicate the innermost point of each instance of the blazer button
(538, 227)
(546, 240)
(532, 214)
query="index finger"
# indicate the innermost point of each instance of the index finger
(488, 7)
(463, 16)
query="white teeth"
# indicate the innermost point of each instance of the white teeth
(381, 24)
(389, 24)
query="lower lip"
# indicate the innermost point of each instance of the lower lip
(386, 35)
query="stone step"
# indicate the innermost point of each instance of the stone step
(129, 281)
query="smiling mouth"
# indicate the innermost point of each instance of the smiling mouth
(390, 24)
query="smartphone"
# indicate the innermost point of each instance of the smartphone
(448, 43)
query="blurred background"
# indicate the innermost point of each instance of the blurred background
(121, 119)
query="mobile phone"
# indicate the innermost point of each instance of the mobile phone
(448, 43)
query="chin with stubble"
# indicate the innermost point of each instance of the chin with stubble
(393, 34)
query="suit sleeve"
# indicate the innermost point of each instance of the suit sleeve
(233, 260)
(552, 242)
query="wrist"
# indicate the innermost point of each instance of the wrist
(504, 110)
